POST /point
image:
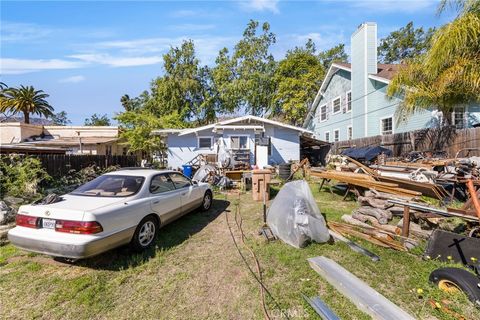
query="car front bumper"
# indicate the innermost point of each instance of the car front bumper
(66, 245)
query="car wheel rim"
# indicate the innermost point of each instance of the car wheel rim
(147, 233)
(448, 286)
(207, 201)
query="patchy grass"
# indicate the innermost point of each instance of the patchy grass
(196, 272)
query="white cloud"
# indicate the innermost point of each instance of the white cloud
(206, 47)
(19, 32)
(183, 13)
(72, 79)
(19, 66)
(117, 61)
(261, 5)
(408, 6)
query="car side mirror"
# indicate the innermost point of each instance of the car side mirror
(195, 182)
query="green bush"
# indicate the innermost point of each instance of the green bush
(20, 176)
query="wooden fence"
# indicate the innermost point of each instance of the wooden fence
(58, 164)
(447, 140)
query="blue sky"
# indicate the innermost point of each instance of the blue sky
(87, 54)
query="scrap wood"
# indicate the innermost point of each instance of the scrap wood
(374, 222)
(374, 202)
(367, 184)
(383, 216)
(370, 234)
(439, 306)
(357, 291)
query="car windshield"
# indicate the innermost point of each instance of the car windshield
(111, 186)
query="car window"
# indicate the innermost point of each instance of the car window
(110, 186)
(161, 183)
(179, 180)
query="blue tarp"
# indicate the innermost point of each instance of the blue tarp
(366, 153)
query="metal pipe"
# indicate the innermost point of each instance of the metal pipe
(419, 207)
(321, 308)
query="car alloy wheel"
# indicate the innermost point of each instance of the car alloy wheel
(207, 201)
(147, 233)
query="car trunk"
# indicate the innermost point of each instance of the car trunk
(72, 207)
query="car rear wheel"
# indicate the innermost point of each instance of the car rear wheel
(207, 201)
(145, 234)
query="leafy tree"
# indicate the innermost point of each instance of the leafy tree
(137, 126)
(298, 77)
(405, 43)
(60, 119)
(244, 80)
(26, 100)
(97, 120)
(184, 88)
(335, 54)
(448, 74)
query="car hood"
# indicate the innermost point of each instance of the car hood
(72, 207)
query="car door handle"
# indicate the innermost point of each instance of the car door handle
(155, 202)
(184, 194)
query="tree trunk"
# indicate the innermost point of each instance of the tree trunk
(26, 117)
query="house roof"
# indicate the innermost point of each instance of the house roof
(71, 141)
(248, 118)
(25, 148)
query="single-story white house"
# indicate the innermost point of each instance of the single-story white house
(250, 139)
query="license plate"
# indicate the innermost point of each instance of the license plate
(48, 223)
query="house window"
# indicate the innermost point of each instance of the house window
(458, 117)
(387, 125)
(336, 105)
(204, 142)
(349, 101)
(323, 113)
(239, 142)
(336, 135)
(327, 136)
(350, 132)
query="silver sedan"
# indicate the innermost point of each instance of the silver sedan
(117, 208)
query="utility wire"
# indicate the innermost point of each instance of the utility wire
(248, 266)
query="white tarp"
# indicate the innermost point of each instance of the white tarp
(294, 216)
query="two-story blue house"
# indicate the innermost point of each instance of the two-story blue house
(352, 101)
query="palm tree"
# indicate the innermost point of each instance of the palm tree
(448, 74)
(26, 100)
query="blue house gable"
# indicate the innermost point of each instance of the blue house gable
(352, 102)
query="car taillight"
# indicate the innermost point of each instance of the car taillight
(78, 227)
(26, 221)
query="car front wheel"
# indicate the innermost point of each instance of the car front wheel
(145, 234)
(207, 201)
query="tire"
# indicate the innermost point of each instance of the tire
(145, 234)
(207, 201)
(459, 278)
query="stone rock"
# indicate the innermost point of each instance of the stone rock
(7, 214)
(13, 200)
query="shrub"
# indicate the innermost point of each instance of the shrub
(20, 176)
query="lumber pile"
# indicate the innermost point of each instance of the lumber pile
(364, 181)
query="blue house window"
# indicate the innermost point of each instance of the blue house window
(336, 105)
(387, 125)
(327, 136)
(204, 142)
(323, 112)
(349, 101)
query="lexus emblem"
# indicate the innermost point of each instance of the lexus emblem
(47, 213)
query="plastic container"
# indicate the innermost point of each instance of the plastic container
(187, 170)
